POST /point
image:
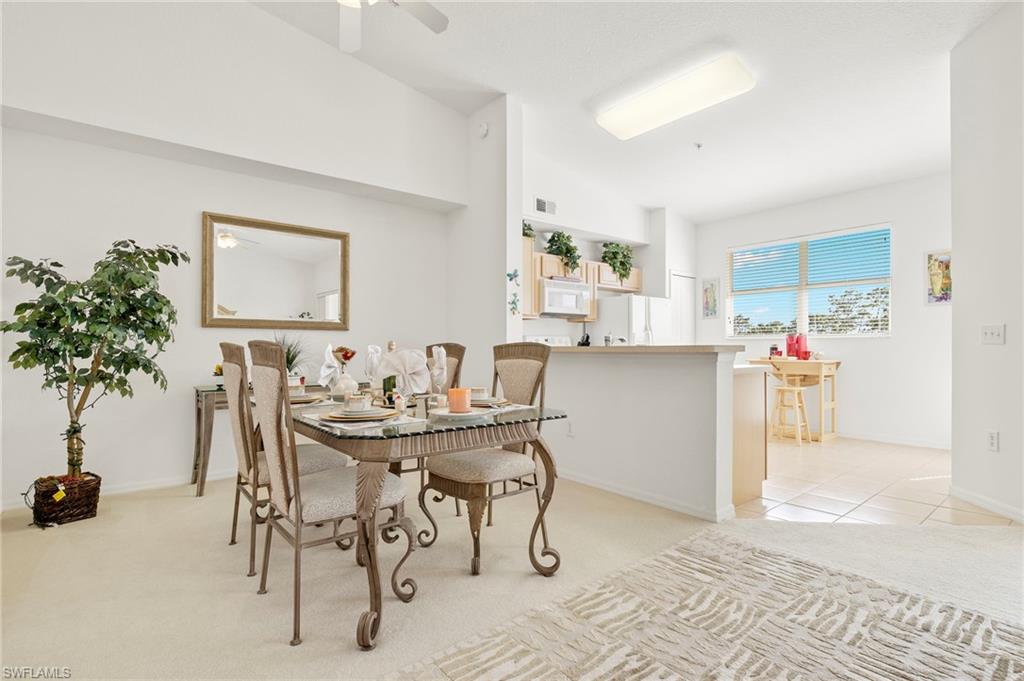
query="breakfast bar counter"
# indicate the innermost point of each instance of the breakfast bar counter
(653, 423)
(647, 349)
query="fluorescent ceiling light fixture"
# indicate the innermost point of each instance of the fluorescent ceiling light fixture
(704, 86)
(226, 240)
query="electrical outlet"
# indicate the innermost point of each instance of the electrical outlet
(993, 334)
(993, 440)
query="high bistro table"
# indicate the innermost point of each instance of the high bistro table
(807, 373)
(380, 449)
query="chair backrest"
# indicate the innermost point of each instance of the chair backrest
(455, 354)
(273, 409)
(520, 368)
(236, 386)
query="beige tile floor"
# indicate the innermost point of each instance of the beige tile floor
(856, 481)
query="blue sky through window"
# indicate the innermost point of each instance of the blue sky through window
(845, 285)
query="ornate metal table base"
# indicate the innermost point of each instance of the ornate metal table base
(375, 456)
(541, 448)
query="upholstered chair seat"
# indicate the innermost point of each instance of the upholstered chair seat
(311, 458)
(332, 494)
(482, 466)
(472, 476)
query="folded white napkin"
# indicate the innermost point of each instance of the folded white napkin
(438, 366)
(373, 358)
(330, 372)
(409, 367)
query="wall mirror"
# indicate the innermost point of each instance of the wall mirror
(259, 274)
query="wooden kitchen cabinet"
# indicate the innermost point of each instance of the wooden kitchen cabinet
(591, 274)
(549, 266)
(528, 303)
(608, 280)
(635, 281)
(749, 433)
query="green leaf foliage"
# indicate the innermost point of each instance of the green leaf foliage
(88, 337)
(561, 244)
(619, 257)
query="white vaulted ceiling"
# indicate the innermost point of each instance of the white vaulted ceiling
(848, 95)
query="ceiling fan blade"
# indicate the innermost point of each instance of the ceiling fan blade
(427, 14)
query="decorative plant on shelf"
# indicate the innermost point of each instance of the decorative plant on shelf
(561, 244)
(619, 257)
(114, 323)
(528, 230)
(293, 351)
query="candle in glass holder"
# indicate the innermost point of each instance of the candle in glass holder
(459, 400)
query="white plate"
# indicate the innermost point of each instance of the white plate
(363, 415)
(489, 398)
(473, 412)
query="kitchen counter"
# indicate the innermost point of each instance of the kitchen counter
(650, 422)
(647, 349)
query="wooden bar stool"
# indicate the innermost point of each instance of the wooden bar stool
(790, 397)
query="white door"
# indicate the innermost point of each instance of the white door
(684, 309)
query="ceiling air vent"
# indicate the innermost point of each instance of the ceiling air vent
(545, 206)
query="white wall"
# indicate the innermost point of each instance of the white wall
(672, 247)
(70, 200)
(231, 78)
(480, 237)
(582, 204)
(987, 180)
(894, 389)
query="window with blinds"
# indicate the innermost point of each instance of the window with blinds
(832, 285)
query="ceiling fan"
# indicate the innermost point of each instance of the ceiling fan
(424, 12)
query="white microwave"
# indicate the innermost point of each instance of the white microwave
(564, 298)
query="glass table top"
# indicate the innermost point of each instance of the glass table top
(409, 426)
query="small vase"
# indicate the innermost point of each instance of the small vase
(346, 385)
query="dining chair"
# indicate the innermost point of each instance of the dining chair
(455, 354)
(519, 369)
(326, 498)
(252, 461)
(790, 396)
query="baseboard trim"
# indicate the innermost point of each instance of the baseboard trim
(129, 487)
(885, 439)
(988, 503)
(721, 514)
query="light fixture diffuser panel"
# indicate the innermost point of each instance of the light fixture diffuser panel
(714, 82)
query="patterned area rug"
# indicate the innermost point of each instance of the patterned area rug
(714, 607)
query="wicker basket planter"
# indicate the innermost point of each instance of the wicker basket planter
(62, 499)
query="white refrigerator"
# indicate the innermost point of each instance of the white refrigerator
(672, 320)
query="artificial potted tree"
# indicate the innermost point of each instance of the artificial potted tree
(88, 337)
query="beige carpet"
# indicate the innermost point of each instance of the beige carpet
(715, 607)
(150, 589)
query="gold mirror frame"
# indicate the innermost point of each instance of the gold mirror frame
(211, 320)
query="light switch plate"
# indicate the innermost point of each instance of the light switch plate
(993, 334)
(993, 440)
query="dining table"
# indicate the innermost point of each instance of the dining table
(209, 399)
(380, 448)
